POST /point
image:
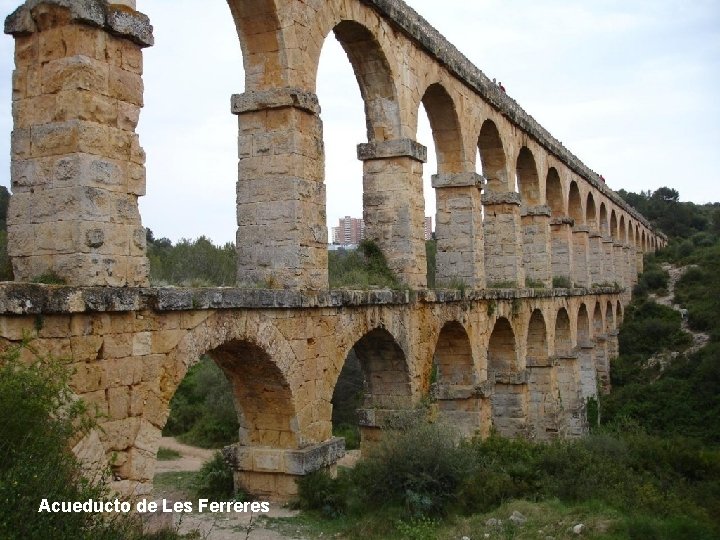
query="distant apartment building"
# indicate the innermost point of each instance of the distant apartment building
(428, 228)
(351, 231)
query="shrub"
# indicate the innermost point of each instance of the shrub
(319, 491)
(561, 282)
(424, 478)
(362, 268)
(214, 481)
(38, 419)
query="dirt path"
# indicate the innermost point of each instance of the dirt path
(699, 339)
(218, 526)
(192, 458)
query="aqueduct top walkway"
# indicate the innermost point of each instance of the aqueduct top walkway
(512, 350)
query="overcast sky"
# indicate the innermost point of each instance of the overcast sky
(631, 87)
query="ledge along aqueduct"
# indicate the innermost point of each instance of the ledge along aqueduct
(512, 351)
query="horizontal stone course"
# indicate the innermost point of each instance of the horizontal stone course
(30, 299)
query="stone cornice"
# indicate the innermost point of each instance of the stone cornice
(37, 299)
(119, 20)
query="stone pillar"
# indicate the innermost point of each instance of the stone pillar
(464, 407)
(543, 399)
(509, 403)
(581, 274)
(459, 230)
(588, 370)
(608, 261)
(639, 261)
(619, 264)
(282, 232)
(562, 250)
(572, 406)
(613, 345)
(393, 207)
(596, 253)
(503, 240)
(271, 473)
(537, 245)
(77, 168)
(630, 263)
(377, 419)
(602, 364)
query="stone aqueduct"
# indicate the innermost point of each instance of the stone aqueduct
(523, 359)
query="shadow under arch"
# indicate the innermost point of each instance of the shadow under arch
(375, 79)
(602, 363)
(543, 403)
(492, 157)
(509, 400)
(262, 43)
(454, 380)
(580, 238)
(375, 373)
(257, 360)
(572, 410)
(446, 129)
(586, 354)
(527, 178)
(263, 399)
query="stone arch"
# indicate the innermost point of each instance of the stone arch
(492, 157)
(583, 324)
(622, 230)
(575, 208)
(585, 347)
(563, 334)
(446, 129)
(619, 314)
(568, 374)
(455, 379)
(614, 232)
(542, 381)
(509, 399)
(375, 79)
(453, 356)
(597, 321)
(262, 43)
(591, 214)
(610, 317)
(554, 193)
(537, 342)
(385, 369)
(602, 366)
(257, 360)
(527, 178)
(264, 401)
(502, 351)
(604, 226)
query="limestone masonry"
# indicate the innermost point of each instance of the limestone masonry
(532, 283)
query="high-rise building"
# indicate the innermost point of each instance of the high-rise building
(349, 232)
(428, 228)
